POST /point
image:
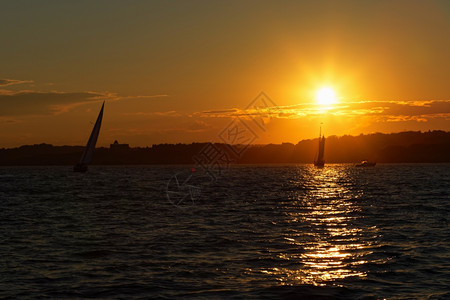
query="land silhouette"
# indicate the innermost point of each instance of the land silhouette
(403, 147)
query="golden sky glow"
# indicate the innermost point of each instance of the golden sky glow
(181, 71)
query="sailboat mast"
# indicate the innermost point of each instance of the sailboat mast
(321, 145)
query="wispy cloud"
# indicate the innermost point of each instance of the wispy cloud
(170, 113)
(23, 102)
(198, 126)
(37, 103)
(390, 111)
(29, 102)
(118, 97)
(10, 120)
(8, 82)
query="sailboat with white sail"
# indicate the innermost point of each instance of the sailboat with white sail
(82, 165)
(320, 162)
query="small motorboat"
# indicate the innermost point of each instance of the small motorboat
(366, 163)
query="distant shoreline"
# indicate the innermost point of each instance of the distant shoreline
(403, 147)
(231, 165)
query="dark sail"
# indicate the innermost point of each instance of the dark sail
(320, 162)
(86, 158)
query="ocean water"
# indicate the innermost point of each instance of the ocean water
(253, 232)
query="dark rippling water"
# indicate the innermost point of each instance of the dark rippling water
(282, 232)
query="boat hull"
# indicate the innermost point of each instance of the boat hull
(366, 164)
(319, 164)
(80, 168)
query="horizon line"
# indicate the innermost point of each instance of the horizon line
(253, 144)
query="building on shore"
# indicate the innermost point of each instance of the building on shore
(118, 147)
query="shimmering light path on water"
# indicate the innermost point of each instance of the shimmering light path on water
(257, 232)
(323, 226)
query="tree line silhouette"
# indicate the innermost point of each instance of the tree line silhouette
(403, 147)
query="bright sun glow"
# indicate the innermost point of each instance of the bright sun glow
(326, 96)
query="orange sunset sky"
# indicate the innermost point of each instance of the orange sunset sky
(180, 71)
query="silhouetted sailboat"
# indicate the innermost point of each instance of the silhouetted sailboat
(86, 158)
(320, 161)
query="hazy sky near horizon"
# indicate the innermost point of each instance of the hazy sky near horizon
(182, 71)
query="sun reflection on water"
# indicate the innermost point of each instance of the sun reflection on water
(323, 227)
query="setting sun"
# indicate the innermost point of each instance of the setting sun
(326, 96)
